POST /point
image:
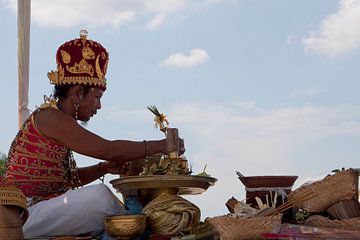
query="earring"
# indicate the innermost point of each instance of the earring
(76, 105)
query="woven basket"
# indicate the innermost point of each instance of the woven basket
(230, 227)
(10, 223)
(11, 234)
(332, 189)
(344, 209)
(12, 196)
(9, 217)
(171, 214)
(320, 221)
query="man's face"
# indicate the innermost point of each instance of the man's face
(90, 104)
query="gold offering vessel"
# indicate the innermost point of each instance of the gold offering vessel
(125, 226)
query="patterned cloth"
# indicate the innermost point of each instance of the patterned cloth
(36, 164)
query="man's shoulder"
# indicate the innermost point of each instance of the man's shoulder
(51, 116)
(53, 123)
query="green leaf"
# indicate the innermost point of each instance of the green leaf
(154, 110)
(2, 163)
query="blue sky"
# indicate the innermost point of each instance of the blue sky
(262, 87)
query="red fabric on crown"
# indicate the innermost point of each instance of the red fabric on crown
(80, 61)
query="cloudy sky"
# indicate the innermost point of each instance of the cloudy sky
(261, 87)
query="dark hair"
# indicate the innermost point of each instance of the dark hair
(62, 91)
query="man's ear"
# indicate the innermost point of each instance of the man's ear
(77, 91)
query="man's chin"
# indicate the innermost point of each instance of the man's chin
(84, 123)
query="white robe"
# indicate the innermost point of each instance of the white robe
(80, 211)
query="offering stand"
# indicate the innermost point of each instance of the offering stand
(154, 185)
(157, 191)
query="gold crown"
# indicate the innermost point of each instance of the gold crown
(80, 61)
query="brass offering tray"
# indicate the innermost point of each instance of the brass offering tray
(176, 184)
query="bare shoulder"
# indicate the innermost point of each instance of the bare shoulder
(50, 122)
(52, 117)
(62, 128)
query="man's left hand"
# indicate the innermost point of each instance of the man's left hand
(118, 167)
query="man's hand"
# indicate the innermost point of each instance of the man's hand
(117, 167)
(173, 142)
(181, 146)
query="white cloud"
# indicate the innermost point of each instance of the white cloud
(162, 9)
(181, 60)
(68, 13)
(156, 21)
(2, 4)
(291, 38)
(339, 33)
(309, 92)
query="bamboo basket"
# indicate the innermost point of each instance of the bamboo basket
(344, 209)
(11, 234)
(321, 221)
(10, 223)
(9, 216)
(232, 227)
(13, 213)
(330, 190)
(12, 196)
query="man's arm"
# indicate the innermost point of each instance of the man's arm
(94, 172)
(61, 127)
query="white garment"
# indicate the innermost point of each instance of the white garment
(80, 211)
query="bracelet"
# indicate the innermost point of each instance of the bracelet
(99, 175)
(146, 149)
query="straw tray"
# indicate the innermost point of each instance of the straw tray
(332, 189)
(321, 221)
(232, 227)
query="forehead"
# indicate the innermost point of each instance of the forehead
(97, 91)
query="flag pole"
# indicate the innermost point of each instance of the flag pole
(24, 12)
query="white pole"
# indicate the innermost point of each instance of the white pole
(24, 9)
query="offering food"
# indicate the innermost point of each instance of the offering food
(203, 173)
(167, 166)
(172, 163)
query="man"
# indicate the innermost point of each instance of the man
(40, 160)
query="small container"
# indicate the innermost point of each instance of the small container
(260, 186)
(125, 226)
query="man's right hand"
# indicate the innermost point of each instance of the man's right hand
(173, 142)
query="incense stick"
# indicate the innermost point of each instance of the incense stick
(287, 205)
(294, 202)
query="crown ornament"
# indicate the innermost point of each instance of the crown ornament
(80, 61)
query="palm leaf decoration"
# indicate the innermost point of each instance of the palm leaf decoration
(159, 118)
